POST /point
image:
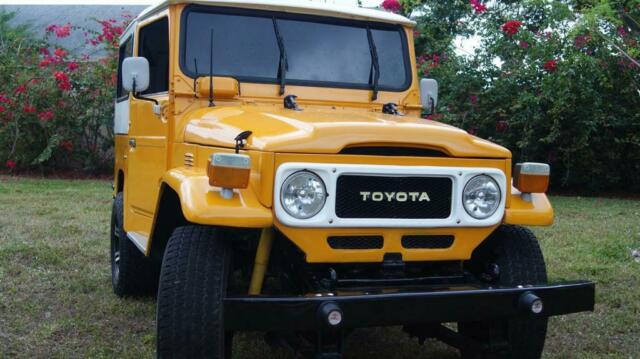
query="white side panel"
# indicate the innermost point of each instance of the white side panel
(121, 121)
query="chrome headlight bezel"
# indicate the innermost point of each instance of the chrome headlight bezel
(490, 184)
(320, 193)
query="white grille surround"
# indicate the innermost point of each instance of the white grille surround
(329, 174)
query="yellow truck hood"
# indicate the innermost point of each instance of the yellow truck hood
(328, 131)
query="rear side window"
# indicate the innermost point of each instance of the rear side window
(153, 44)
(126, 50)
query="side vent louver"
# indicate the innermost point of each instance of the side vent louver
(188, 159)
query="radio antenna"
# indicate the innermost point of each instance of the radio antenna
(211, 104)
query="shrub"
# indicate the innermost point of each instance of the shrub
(56, 108)
(554, 81)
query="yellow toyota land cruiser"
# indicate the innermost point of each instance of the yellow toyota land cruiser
(273, 173)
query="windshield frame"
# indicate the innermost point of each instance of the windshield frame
(299, 17)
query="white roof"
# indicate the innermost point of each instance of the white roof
(294, 6)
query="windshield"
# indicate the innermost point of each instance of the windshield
(319, 51)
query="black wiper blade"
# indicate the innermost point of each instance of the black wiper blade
(283, 64)
(374, 64)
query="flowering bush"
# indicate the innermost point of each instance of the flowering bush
(56, 107)
(554, 81)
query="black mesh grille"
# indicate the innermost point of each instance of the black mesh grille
(356, 242)
(393, 197)
(430, 242)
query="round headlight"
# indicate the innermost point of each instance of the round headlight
(303, 194)
(481, 196)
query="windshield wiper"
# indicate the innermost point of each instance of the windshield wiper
(375, 66)
(283, 64)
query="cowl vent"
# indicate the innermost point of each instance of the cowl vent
(392, 151)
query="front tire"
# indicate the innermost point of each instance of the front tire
(516, 252)
(193, 285)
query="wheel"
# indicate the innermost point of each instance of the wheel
(193, 285)
(513, 252)
(131, 273)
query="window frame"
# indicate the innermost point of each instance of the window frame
(137, 49)
(124, 97)
(300, 17)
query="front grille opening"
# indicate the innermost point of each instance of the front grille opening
(427, 242)
(356, 242)
(361, 196)
(393, 151)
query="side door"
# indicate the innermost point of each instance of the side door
(146, 161)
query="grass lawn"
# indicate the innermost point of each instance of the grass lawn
(56, 299)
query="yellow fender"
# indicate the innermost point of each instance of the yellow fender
(536, 212)
(203, 204)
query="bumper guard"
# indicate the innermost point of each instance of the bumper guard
(364, 307)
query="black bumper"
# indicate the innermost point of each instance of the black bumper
(383, 307)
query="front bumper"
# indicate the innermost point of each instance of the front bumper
(383, 307)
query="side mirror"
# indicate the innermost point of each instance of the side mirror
(429, 95)
(135, 74)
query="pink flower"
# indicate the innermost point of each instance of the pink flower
(524, 44)
(582, 41)
(478, 7)
(64, 86)
(392, 5)
(45, 62)
(61, 76)
(72, 66)
(5, 99)
(44, 51)
(2, 109)
(63, 31)
(11, 164)
(67, 145)
(62, 80)
(46, 116)
(551, 66)
(29, 109)
(51, 28)
(501, 126)
(622, 31)
(511, 27)
(60, 53)
(21, 89)
(473, 99)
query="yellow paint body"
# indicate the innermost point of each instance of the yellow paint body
(172, 149)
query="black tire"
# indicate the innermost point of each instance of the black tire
(193, 285)
(132, 274)
(520, 262)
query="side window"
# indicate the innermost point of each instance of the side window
(153, 44)
(126, 50)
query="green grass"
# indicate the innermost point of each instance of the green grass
(56, 299)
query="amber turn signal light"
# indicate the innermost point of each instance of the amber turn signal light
(229, 171)
(531, 177)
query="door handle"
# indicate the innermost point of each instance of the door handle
(132, 142)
